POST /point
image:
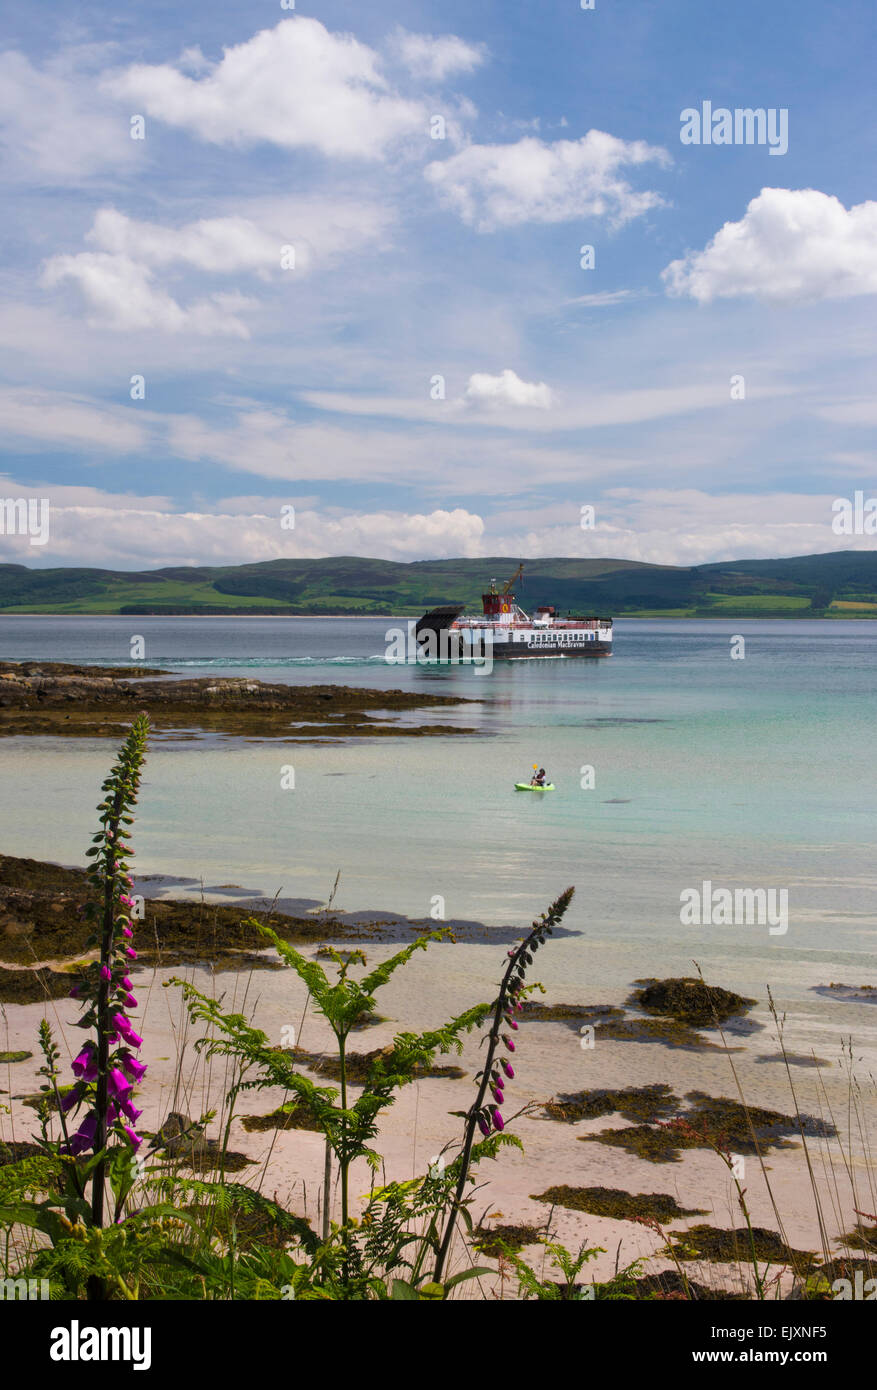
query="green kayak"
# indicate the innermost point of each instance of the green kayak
(528, 787)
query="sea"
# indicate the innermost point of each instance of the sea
(688, 758)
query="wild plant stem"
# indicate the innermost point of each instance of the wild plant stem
(472, 1121)
(96, 1287)
(103, 1014)
(344, 1161)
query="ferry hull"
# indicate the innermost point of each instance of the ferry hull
(507, 633)
(515, 653)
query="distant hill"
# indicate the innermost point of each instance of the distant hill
(838, 584)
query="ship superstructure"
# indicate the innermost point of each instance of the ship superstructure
(511, 633)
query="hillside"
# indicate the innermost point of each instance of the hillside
(837, 584)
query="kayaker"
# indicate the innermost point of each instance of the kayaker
(538, 779)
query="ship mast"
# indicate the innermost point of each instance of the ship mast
(500, 606)
(518, 574)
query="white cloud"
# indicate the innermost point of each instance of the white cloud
(124, 296)
(119, 284)
(507, 389)
(297, 86)
(658, 526)
(55, 126)
(605, 299)
(264, 506)
(221, 244)
(581, 408)
(318, 229)
(393, 535)
(60, 420)
(675, 527)
(436, 58)
(492, 186)
(123, 533)
(323, 227)
(792, 244)
(72, 496)
(192, 60)
(269, 444)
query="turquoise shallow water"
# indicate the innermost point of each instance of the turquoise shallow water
(747, 773)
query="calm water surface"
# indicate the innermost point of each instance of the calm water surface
(748, 773)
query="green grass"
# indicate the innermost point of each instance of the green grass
(658, 613)
(117, 594)
(780, 603)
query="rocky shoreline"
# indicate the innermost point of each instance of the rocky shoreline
(42, 920)
(51, 697)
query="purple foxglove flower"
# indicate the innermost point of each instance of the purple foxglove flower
(123, 898)
(106, 973)
(511, 1022)
(126, 931)
(123, 1027)
(85, 1065)
(68, 1101)
(126, 983)
(130, 952)
(75, 992)
(133, 1139)
(508, 1042)
(136, 1070)
(84, 1137)
(130, 1110)
(508, 1068)
(498, 1120)
(483, 1126)
(118, 1083)
(131, 1003)
(498, 1094)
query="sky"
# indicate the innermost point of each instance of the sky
(438, 277)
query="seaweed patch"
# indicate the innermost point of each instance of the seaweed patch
(616, 1203)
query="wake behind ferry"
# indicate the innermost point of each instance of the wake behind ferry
(447, 634)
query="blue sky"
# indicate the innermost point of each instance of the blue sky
(417, 258)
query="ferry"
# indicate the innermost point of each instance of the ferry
(447, 634)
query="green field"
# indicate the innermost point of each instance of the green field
(119, 592)
(758, 604)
